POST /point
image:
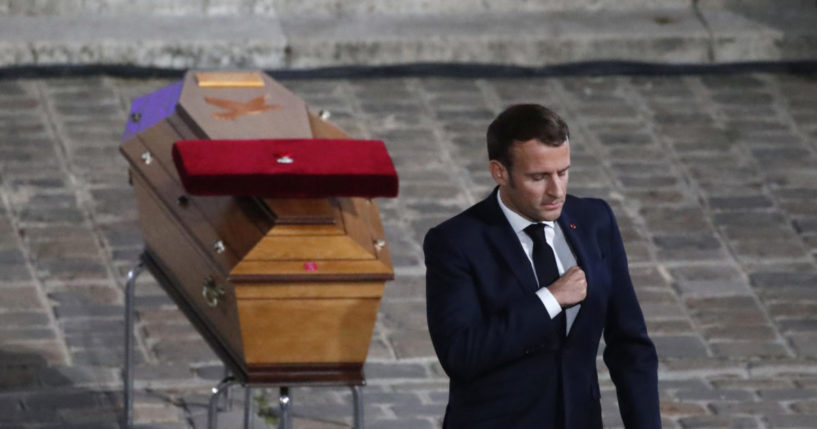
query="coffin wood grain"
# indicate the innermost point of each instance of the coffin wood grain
(191, 221)
(238, 222)
(314, 330)
(189, 266)
(286, 271)
(325, 290)
(308, 248)
(303, 211)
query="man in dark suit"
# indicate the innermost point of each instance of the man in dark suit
(520, 288)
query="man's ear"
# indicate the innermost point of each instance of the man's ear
(499, 173)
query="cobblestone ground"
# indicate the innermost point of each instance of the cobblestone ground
(713, 180)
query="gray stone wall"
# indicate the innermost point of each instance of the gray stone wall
(287, 34)
(341, 7)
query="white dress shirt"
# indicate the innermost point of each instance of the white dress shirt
(518, 223)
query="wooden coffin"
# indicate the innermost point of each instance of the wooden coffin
(284, 290)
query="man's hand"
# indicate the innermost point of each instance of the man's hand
(571, 288)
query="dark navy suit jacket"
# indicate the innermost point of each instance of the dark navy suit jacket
(497, 343)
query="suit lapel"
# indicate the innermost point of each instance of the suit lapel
(575, 237)
(500, 235)
(507, 245)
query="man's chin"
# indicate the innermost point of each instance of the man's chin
(549, 215)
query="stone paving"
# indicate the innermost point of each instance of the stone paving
(713, 180)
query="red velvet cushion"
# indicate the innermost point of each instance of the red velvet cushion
(286, 168)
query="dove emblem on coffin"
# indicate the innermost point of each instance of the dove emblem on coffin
(234, 109)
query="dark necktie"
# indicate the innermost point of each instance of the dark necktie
(544, 262)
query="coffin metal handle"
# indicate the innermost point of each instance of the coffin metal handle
(211, 292)
(219, 247)
(324, 114)
(147, 157)
(379, 244)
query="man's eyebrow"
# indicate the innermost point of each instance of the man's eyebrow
(534, 173)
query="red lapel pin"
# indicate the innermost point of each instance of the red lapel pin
(572, 226)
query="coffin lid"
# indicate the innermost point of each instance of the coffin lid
(218, 105)
(307, 240)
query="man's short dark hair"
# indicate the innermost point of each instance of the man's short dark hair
(523, 122)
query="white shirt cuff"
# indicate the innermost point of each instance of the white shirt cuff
(553, 307)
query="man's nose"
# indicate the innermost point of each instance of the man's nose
(556, 187)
